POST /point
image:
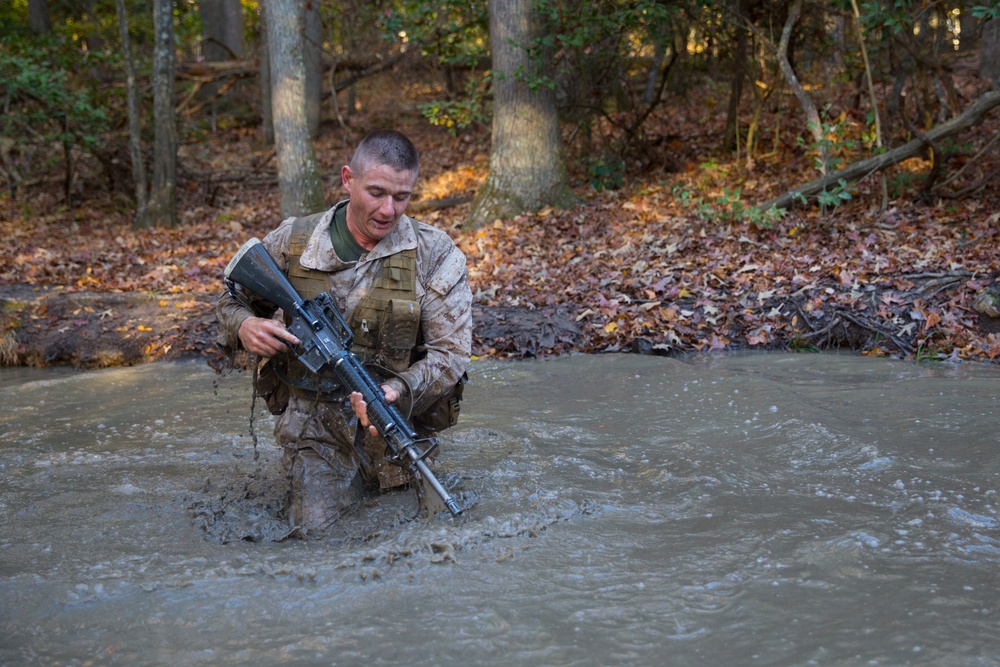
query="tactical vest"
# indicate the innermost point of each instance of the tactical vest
(386, 324)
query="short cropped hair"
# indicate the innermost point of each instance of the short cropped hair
(387, 147)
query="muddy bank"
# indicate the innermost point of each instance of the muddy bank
(46, 326)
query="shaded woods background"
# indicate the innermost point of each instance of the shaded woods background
(680, 124)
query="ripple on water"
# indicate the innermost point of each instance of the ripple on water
(622, 510)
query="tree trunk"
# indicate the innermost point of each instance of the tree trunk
(658, 34)
(968, 25)
(527, 169)
(730, 136)
(313, 59)
(812, 114)
(298, 174)
(93, 39)
(38, 17)
(858, 170)
(134, 128)
(876, 116)
(221, 37)
(162, 198)
(989, 53)
(266, 117)
(221, 30)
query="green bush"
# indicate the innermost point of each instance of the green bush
(45, 101)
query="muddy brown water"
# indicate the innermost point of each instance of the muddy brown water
(622, 510)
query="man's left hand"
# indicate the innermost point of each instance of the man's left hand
(361, 408)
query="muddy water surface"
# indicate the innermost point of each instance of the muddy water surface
(622, 510)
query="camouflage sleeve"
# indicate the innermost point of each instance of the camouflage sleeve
(446, 322)
(236, 304)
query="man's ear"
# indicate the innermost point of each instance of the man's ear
(346, 177)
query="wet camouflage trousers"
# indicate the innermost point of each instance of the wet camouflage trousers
(330, 466)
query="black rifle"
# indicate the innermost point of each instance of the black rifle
(325, 342)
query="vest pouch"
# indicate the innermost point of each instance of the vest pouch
(442, 413)
(271, 388)
(397, 334)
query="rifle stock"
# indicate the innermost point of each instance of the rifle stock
(325, 341)
(254, 268)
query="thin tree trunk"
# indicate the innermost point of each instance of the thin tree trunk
(298, 174)
(812, 115)
(989, 53)
(527, 168)
(659, 55)
(759, 102)
(95, 43)
(968, 24)
(134, 127)
(221, 36)
(858, 170)
(874, 100)
(38, 17)
(266, 116)
(730, 136)
(67, 163)
(221, 30)
(313, 61)
(162, 200)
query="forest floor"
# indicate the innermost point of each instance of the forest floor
(663, 263)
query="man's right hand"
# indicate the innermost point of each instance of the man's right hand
(265, 337)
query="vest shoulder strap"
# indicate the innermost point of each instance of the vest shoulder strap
(309, 282)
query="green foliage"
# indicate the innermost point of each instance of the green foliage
(728, 206)
(595, 41)
(570, 24)
(869, 136)
(951, 145)
(588, 52)
(893, 16)
(730, 203)
(14, 18)
(252, 19)
(900, 182)
(683, 196)
(801, 345)
(461, 113)
(835, 141)
(47, 95)
(90, 27)
(927, 353)
(832, 198)
(762, 219)
(535, 78)
(187, 25)
(607, 173)
(453, 32)
(986, 11)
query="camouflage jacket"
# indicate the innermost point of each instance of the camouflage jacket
(442, 291)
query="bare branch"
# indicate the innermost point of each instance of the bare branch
(868, 166)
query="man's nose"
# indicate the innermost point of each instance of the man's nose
(386, 207)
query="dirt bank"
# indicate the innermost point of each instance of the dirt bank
(46, 326)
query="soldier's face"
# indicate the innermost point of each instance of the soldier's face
(379, 196)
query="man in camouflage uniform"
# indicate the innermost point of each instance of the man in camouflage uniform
(403, 288)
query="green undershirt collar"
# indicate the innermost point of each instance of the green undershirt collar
(347, 249)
